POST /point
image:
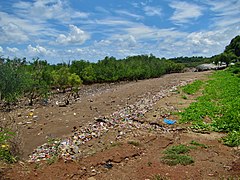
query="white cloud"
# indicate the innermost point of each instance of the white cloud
(29, 21)
(185, 12)
(126, 13)
(124, 41)
(101, 10)
(102, 42)
(14, 29)
(1, 49)
(153, 11)
(225, 8)
(12, 33)
(42, 10)
(142, 32)
(75, 36)
(38, 51)
(115, 22)
(227, 13)
(12, 50)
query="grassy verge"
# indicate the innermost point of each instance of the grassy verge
(192, 88)
(219, 107)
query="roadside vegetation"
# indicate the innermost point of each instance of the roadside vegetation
(192, 88)
(219, 107)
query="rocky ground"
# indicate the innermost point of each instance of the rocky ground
(116, 131)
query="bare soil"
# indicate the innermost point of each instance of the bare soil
(136, 155)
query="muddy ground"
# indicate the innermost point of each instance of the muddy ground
(136, 155)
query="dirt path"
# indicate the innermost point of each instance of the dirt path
(52, 121)
(136, 155)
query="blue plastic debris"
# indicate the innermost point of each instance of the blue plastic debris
(168, 121)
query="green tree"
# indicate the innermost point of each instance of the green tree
(38, 81)
(224, 57)
(88, 75)
(12, 80)
(234, 46)
(78, 66)
(63, 79)
(60, 78)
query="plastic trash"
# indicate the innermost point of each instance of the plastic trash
(169, 121)
(108, 165)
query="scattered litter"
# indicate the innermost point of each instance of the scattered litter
(124, 121)
(108, 165)
(169, 121)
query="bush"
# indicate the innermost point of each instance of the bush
(10, 139)
(175, 155)
(232, 139)
(5, 153)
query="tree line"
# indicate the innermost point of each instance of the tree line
(36, 79)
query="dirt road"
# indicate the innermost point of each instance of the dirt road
(51, 121)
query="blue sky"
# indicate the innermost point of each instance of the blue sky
(63, 30)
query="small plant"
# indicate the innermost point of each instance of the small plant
(174, 159)
(116, 144)
(198, 144)
(52, 160)
(134, 143)
(184, 96)
(158, 177)
(232, 139)
(5, 153)
(175, 155)
(149, 163)
(180, 149)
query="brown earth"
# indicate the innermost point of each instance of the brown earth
(137, 155)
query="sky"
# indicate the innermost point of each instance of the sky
(64, 30)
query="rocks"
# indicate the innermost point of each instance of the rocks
(91, 178)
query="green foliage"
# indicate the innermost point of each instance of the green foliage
(62, 78)
(88, 74)
(219, 105)
(232, 139)
(174, 159)
(131, 68)
(35, 79)
(223, 58)
(5, 153)
(74, 81)
(235, 69)
(191, 61)
(198, 144)
(134, 143)
(192, 88)
(12, 80)
(38, 80)
(52, 159)
(234, 46)
(179, 149)
(175, 155)
(158, 177)
(184, 97)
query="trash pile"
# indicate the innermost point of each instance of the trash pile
(125, 120)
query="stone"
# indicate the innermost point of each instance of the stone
(91, 178)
